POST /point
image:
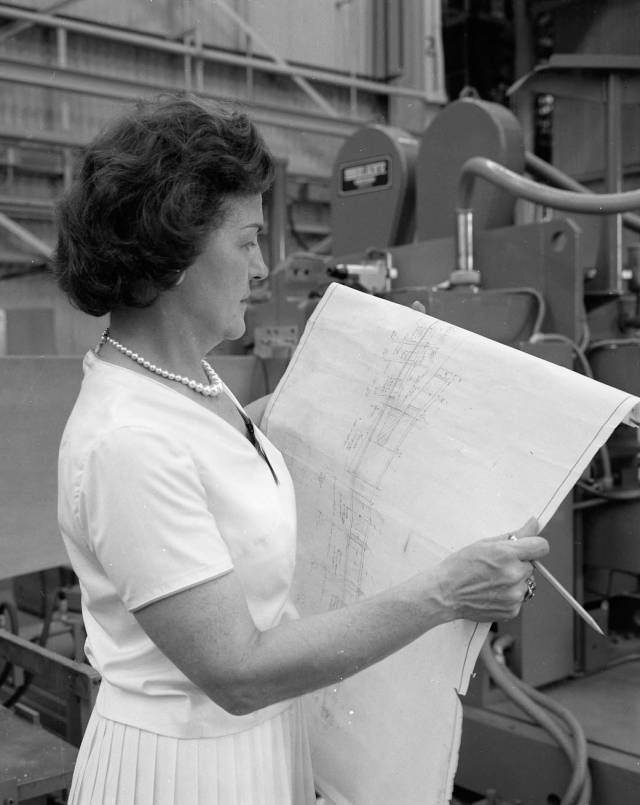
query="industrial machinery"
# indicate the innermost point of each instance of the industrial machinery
(553, 712)
(449, 219)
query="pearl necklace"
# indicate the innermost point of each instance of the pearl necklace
(213, 389)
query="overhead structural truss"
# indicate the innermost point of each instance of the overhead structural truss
(324, 119)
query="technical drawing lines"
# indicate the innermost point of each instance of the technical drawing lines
(414, 380)
(353, 525)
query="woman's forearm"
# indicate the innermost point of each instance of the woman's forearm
(208, 632)
(300, 656)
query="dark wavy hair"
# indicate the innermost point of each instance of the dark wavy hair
(149, 191)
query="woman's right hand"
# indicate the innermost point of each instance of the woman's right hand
(486, 580)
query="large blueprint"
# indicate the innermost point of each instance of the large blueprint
(408, 438)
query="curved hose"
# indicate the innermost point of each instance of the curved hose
(536, 704)
(539, 298)
(586, 336)
(589, 203)
(607, 472)
(542, 308)
(610, 494)
(579, 352)
(548, 173)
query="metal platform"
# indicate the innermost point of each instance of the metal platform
(503, 750)
(33, 762)
(607, 704)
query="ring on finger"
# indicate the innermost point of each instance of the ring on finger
(531, 589)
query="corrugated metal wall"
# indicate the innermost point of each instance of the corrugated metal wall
(335, 34)
(328, 34)
(34, 110)
(42, 127)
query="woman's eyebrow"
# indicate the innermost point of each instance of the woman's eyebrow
(258, 226)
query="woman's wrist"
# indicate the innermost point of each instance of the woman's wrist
(426, 600)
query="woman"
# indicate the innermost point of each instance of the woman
(178, 515)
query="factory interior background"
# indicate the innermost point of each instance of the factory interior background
(371, 108)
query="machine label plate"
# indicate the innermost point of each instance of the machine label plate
(371, 175)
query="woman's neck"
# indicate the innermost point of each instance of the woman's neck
(167, 341)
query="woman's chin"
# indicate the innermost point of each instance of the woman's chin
(236, 331)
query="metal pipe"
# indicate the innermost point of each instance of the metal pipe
(210, 54)
(123, 89)
(277, 215)
(464, 239)
(549, 173)
(15, 28)
(587, 203)
(48, 138)
(31, 204)
(198, 62)
(610, 259)
(25, 236)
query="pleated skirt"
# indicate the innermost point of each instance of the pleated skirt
(268, 764)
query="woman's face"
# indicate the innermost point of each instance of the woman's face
(218, 281)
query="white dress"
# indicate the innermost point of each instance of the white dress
(158, 494)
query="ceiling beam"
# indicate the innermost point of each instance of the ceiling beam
(66, 79)
(211, 54)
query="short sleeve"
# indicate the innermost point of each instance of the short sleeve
(144, 511)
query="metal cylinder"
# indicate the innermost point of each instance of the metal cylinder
(464, 240)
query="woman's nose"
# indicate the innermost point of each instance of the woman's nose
(259, 269)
